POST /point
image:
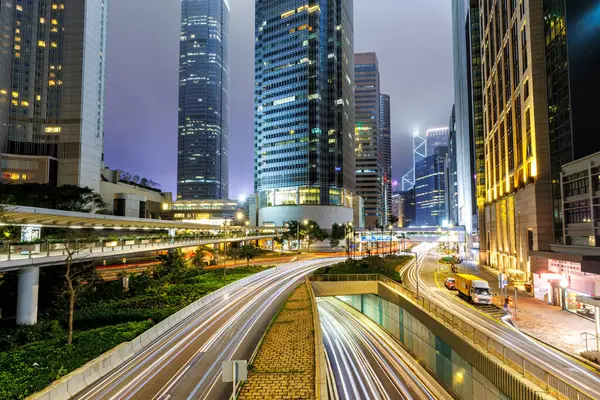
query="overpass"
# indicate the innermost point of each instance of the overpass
(27, 258)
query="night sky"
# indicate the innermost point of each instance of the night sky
(412, 38)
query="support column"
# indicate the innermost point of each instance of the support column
(27, 298)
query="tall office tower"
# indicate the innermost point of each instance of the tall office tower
(304, 163)
(419, 153)
(52, 91)
(386, 153)
(430, 188)
(452, 173)
(408, 208)
(370, 174)
(202, 157)
(464, 47)
(572, 63)
(436, 137)
(518, 211)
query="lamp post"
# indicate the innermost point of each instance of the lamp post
(391, 226)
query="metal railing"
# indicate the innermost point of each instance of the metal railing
(321, 392)
(16, 251)
(586, 338)
(515, 360)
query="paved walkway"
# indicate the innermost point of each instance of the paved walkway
(284, 367)
(541, 320)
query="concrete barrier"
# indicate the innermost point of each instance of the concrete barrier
(76, 381)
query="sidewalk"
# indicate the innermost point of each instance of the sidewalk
(543, 321)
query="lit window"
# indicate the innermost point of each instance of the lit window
(41, 43)
(42, 20)
(15, 95)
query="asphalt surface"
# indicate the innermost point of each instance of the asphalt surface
(561, 365)
(368, 364)
(185, 362)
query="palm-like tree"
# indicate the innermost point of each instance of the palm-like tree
(203, 254)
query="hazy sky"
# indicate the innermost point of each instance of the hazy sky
(412, 39)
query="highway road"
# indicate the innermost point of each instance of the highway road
(561, 365)
(185, 362)
(366, 363)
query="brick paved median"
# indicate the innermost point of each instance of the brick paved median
(284, 367)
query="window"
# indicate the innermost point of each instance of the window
(524, 47)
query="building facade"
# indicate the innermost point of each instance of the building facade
(419, 152)
(518, 211)
(436, 137)
(304, 164)
(52, 91)
(202, 157)
(409, 210)
(370, 174)
(430, 188)
(572, 61)
(386, 154)
(452, 173)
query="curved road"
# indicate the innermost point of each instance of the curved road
(185, 362)
(558, 363)
(366, 363)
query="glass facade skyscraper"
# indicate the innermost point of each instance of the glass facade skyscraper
(430, 188)
(202, 158)
(369, 139)
(386, 153)
(304, 111)
(52, 91)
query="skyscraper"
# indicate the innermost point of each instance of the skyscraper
(436, 137)
(518, 210)
(452, 173)
(52, 91)
(572, 63)
(304, 111)
(370, 174)
(202, 158)
(386, 153)
(430, 188)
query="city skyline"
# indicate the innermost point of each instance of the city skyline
(155, 89)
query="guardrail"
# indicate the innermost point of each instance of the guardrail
(321, 392)
(78, 380)
(11, 251)
(519, 362)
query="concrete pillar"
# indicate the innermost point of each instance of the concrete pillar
(27, 299)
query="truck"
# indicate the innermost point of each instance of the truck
(474, 289)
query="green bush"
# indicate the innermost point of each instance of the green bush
(388, 266)
(23, 334)
(31, 368)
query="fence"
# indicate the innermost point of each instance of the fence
(515, 360)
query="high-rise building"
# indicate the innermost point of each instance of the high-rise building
(52, 91)
(419, 153)
(304, 163)
(572, 63)
(518, 210)
(430, 188)
(370, 172)
(436, 137)
(398, 208)
(386, 153)
(409, 211)
(202, 157)
(452, 173)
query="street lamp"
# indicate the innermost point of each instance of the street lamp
(390, 228)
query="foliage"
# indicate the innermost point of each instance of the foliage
(388, 266)
(314, 233)
(393, 219)
(173, 263)
(66, 197)
(202, 257)
(126, 177)
(249, 252)
(30, 368)
(338, 233)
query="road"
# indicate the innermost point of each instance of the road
(185, 362)
(561, 365)
(368, 364)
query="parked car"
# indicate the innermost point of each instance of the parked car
(450, 283)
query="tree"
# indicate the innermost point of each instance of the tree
(379, 225)
(249, 252)
(66, 197)
(80, 277)
(314, 233)
(172, 263)
(202, 256)
(402, 237)
(338, 233)
(393, 219)
(279, 240)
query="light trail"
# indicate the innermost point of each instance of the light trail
(185, 362)
(559, 364)
(366, 362)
